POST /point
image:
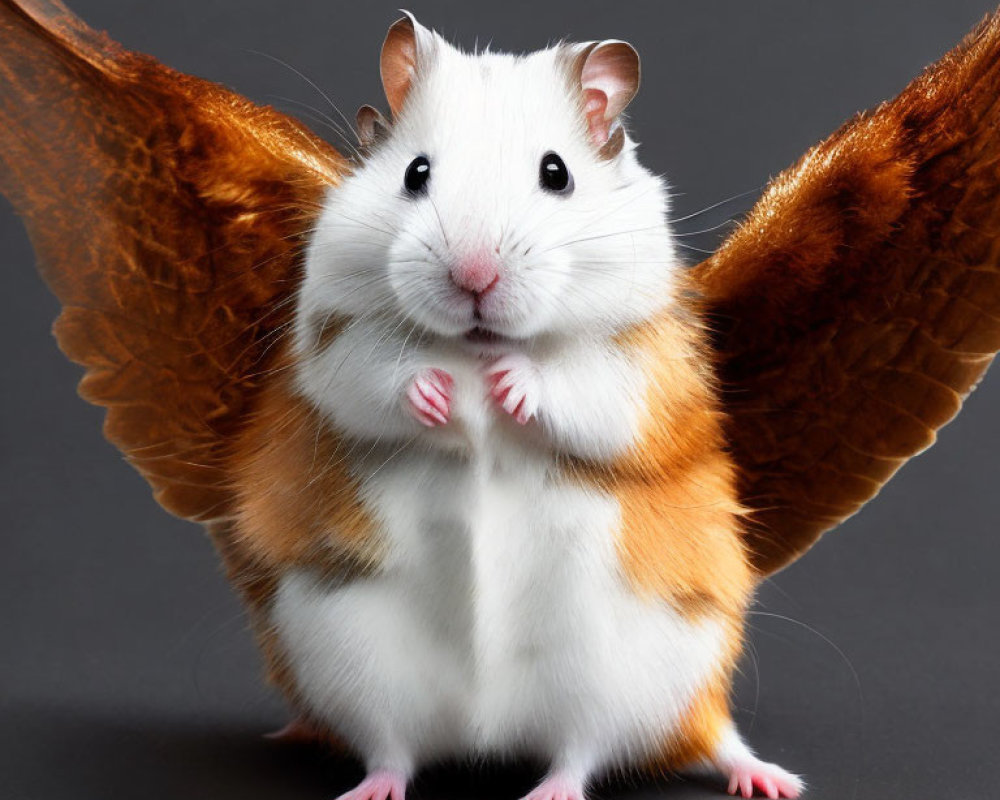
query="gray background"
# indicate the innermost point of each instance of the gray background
(125, 666)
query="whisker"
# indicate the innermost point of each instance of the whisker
(308, 80)
(714, 206)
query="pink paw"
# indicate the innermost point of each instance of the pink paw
(772, 780)
(381, 785)
(558, 787)
(428, 397)
(515, 385)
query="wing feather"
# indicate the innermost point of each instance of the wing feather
(859, 302)
(167, 215)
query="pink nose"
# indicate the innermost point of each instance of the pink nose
(477, 274)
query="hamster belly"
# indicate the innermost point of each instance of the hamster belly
(498, 622)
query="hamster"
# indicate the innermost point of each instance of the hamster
(493, 325)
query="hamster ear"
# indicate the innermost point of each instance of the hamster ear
(609, 77)
(406, 44)
(372, 126)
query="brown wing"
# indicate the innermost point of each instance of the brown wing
(859, 303)
(167, 215)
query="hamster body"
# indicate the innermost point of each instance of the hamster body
(491, 325)
(498, 621)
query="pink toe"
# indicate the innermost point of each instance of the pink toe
(769, 780)
(429, 397)
(428, 413)
(378, 786)
(495, 377)
(435, 397)
(558, 787)
(423, 409)
(444, 379)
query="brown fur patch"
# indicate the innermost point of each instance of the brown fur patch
(297, 502)
(296, 505)
(701, 727)
(681, 523)
(680, 529)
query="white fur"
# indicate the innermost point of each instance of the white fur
(500, 620)
(591, 263)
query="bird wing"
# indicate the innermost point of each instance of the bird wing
(168, 216)
(859, 302)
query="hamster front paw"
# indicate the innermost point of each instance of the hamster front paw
(515, 384)
(428, 397)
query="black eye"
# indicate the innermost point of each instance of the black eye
(417, 174)
(554, 176)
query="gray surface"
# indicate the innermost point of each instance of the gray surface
(125, 666)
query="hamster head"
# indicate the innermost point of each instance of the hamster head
(503, 202)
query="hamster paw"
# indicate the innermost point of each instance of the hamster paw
(557, 787)
(515, 385)
(428, 397)
(770, 779)
(382, 785)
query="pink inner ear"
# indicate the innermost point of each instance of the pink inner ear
(609, 78)
(398, 62)
(595, 106)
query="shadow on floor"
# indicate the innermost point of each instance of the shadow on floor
(86, 754)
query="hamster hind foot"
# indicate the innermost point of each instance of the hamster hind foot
(558, 786)
(379, 785)
(771, 779)
(747, 773)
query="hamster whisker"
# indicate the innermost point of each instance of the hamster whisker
(399, 358)
(561, 302)
(312, 83)
(274, 309)
(383, 338)
(701, 250)
(437, 214)
(599, 236)
(596, 214)
(714, 206)
(600, 214)
(723, 224)
(430, 247)
(392, 455)
(359, 287)
(336, 371)
(363, 224)
(317, 116)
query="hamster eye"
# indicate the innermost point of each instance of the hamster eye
(553, 175)
(417, 174)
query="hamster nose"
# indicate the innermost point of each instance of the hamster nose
(476, 274)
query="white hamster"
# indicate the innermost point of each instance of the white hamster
(492, 316)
